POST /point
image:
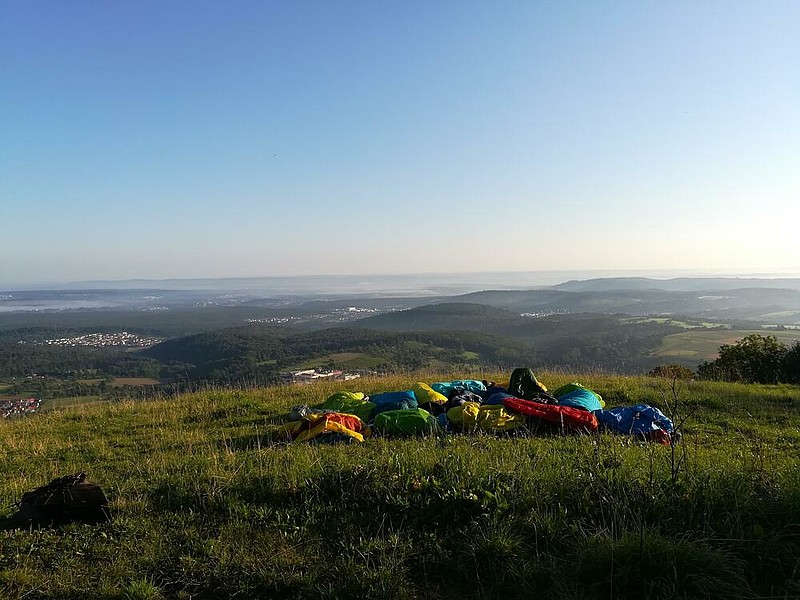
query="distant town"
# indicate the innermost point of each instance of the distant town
(18, 407)
(100, 340)
(350, 313)
(311, 375)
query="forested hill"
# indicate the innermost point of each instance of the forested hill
(450, 316)
(261, 353)
(430, 336)
(534, 328)
(772, 305)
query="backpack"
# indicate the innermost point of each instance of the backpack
(68, 499)
(523, 384)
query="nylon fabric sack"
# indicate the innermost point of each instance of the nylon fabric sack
(494, 389)
(425, 394)
(311, 427)
(434, 408)
(407, 396)
(415, 421)
(449, 388)
(354, 403)
(562, 418)
(583, 399)
(471, 385)
(497, 418)
(523, 384)
(387, 401)
(464, 416)
(568, 388)
(445, 388)
(640, 419)
(496, 399)
(462, 398)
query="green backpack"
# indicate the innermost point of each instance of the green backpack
(524, 384)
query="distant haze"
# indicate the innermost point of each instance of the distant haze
(422, 284)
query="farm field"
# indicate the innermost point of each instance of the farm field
(354, 360)
(677, 322)
(120, 381)
(703, 344)
(209, 500)
(135, 381)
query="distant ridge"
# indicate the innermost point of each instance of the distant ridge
(678, 284)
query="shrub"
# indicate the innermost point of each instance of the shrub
(791, 364)
(753, 359)
(672, 372)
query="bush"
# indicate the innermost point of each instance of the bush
(791, 364)
(753, 359)
(672, 372)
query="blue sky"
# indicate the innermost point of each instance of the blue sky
(214, 139)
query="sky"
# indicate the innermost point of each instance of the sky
(156, 139)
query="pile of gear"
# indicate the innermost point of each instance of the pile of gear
(468, 405)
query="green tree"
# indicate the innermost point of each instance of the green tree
(753, 359)
(791, 364)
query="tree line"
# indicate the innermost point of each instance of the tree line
(755, 359)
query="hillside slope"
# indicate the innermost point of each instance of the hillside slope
(209, 502)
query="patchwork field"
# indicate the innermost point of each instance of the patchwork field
(703, 344)
(211, 501)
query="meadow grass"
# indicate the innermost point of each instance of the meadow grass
(210, 501)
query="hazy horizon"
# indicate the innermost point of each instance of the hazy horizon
(317, 282)
(155, 140)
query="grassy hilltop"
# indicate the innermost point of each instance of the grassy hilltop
(208, 504)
